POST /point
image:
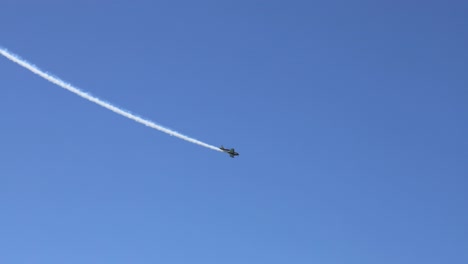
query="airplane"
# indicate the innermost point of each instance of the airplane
(231, 152)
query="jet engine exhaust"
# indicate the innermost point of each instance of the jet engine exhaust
(100, 102)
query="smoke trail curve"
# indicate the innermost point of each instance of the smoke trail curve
(98, 101)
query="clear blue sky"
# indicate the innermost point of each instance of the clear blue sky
(350, 118)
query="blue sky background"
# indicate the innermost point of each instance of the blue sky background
(350, 118)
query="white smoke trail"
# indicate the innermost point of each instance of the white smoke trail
(98, 101)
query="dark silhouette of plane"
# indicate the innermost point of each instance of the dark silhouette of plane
(231, 152)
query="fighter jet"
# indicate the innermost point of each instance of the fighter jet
(231, 152)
